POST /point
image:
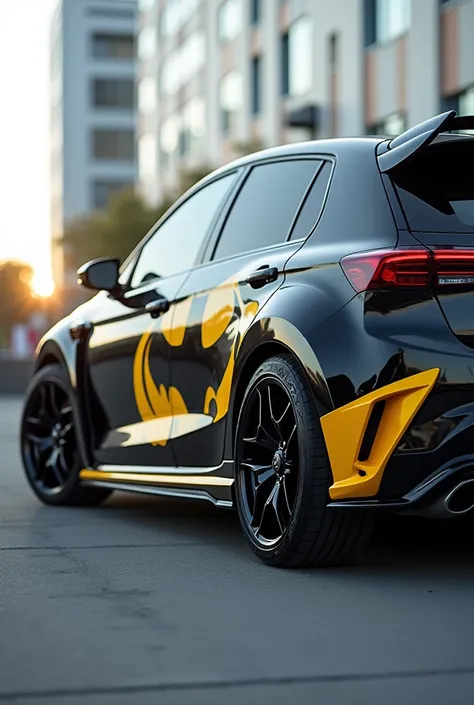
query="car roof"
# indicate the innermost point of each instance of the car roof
(331, 147)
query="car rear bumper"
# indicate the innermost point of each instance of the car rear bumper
(421, 378)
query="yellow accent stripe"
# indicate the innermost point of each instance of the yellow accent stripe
(151, 479)
(345, 427)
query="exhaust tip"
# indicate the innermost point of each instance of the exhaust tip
(461, 499)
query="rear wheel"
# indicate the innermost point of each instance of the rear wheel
(49, 447)
(283, 475)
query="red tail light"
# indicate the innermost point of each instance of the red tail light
(408, 268)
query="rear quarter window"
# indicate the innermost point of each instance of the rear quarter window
(436, 188)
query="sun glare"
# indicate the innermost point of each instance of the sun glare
(42, 284)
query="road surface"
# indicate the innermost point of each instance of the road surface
(146, 601)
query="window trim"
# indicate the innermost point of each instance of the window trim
(332, 163)
(137, 251)
(219, 226)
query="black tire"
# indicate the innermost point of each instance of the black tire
(314, 535)
(49, 396)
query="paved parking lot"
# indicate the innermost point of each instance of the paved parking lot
(147, 600)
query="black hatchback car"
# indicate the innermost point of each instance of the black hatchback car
(295, 337)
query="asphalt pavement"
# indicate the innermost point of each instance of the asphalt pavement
(146, 600)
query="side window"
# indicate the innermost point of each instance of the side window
(265, 207)
(312, 205)
(175, 245)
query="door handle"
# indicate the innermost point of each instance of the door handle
(157, 308)
(261, 276)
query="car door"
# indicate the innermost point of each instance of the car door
(222, 296)
(131, 399)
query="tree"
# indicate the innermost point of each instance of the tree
(242, 149)
(16, 298)
(115, 231)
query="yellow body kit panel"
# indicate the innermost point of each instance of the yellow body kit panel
(345, 427)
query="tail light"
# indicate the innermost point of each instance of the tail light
(409, 268)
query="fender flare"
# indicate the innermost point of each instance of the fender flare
(59, 345)
(264, 333)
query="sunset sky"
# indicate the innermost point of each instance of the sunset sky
(24, 138)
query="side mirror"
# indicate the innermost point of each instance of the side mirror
(100, 274)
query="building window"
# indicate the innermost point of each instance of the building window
(147, 95)
(466, 102)
(183, 63)
(194, 123)
(285, 65)
(113, 93)
(300, 50)
(230, 99)
(114, 145)
(391, 126)
(255, 85)
(112, 14)
(145, 5)
(255, 11)
(392, 18)
(102, 191)
(175, 14)
(169, 134)
(230, 20)
(146, 43)
(147, 163)
(113, 46)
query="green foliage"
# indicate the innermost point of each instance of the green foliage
(242, 149)
(16, 299)
(115, 231)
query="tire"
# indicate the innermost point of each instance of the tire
(313, 535)
(49, 397)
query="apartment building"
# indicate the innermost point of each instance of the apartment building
(216, 75)
(93, 112)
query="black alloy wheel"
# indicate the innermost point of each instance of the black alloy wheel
(49, 444)
(283, 475)
(269, 468)
(49, 438)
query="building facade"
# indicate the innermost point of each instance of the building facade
(93, 112)
(216, 76)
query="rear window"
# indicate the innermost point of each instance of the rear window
(436, 188)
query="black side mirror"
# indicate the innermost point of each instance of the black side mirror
(100, 274)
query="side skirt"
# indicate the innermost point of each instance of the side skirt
(211, 484)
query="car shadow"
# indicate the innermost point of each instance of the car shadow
(399, 543)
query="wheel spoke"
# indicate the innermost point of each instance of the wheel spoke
(262, 437)
(63, 462)
(42, 394)
(41, 443)
(52, 462)
(285, 496)
(264, 508)
(275, 497)
(262, 473)
(264, 440)
(260, 499)
(287, 443)
(277, 421)
(34, 421)
(65, 410)
(53, 401)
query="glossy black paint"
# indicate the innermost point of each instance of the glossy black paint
(348, 344)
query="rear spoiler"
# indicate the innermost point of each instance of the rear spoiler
(417, 138)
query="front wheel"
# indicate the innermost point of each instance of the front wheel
(282, 475)
(48, 438)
